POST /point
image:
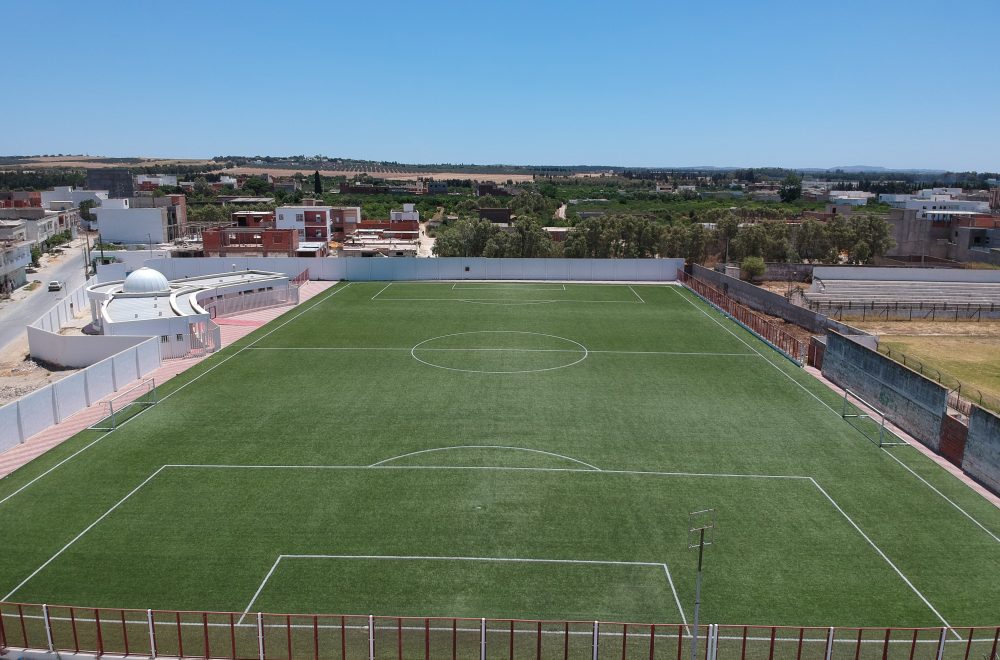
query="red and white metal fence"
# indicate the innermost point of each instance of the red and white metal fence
(757, 323)
(259, 636)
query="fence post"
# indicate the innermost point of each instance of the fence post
(482, 639)
(371, 637)
(48, 627)
(829, 643)
(260, 636)
(944, 636)
(595, 639)
(152, 633)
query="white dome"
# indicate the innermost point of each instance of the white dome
(146, 280)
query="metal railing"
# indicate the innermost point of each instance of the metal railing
(260, 636)
(757, 323)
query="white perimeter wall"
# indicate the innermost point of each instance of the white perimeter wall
(53, 403)
(905, 274)
(445, 268)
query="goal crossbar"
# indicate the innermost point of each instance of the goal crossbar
(126, 404)
(855, 407)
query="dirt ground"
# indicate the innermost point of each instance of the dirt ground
(399, 176)
(78, 162)
(990, 328)
(20, 375)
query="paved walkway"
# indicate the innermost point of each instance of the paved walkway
(232, 329)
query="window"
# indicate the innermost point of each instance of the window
(180, 337)
(164, 339)
(300, 217)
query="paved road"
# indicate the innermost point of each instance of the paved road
(15, 314)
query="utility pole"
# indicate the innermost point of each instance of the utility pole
(701, 533)
(86, 257)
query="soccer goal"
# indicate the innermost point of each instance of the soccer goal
(126, 405)
(867, 419)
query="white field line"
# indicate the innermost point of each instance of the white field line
(381, 290)
(80, 535)
(212, 368)
(536, 451)
(508, 560)
(884, 556)
(831, 409)
(513, 350)
(503, 286)
(499, 301)
(636, 294)
(260, 588)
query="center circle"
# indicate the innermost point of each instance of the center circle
(499, 352)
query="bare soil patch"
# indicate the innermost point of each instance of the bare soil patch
(394, 176)
(989, 328)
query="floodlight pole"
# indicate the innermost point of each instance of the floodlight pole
(697, 594)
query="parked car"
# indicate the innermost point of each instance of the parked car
(55, 285)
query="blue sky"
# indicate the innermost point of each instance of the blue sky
(656, 83)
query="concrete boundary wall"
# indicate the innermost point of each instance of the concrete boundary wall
(905, 274)
(35, 412)
(914, 403)
(360, 269)
(769, 302)
(982, 448)
(63, 311)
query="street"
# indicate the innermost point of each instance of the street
(25, 307)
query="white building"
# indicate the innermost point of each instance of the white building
(180, 312)
(851, 197)
(941, 207)
(15, 256)
(155, 180)
(408, 214)
(72, 195)
(314, 223)
(142, 220)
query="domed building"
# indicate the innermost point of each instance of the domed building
(180, 311)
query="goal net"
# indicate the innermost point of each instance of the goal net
(868, 419)
(126, 405)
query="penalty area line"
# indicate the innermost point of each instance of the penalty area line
(507, 560)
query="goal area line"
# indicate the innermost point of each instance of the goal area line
(445, 558)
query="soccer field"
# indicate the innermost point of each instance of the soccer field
(500, 450)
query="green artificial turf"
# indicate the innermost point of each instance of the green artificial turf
(378, 427)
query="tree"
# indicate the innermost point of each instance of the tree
(874, 233)
(791, 188)
(317, 183)
(36, 254)
(85, 213)
(728, 226)
(811, 241)
(752, 267)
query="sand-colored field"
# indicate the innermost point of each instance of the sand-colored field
(396, 176)
(93, 163)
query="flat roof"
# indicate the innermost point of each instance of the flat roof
(178, 301)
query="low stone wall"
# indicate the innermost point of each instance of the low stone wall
(769, 302)
(916, 404)
(982, 448)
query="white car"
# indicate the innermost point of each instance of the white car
(55, 285)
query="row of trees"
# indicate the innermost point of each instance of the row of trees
(860, 238)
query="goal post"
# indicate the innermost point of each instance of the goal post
(126, 404)
(868, 419)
